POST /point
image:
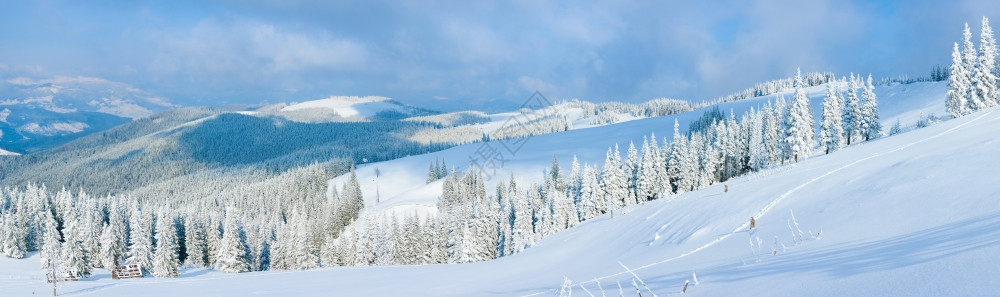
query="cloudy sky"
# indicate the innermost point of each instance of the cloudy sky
(472, 54)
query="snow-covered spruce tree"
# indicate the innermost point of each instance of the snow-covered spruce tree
(969, 61)
(13, 243)
(684, 165)
(663, 181)
(673, 159)
(232, 255)
(590, 203)
(555, 174)
(195, 245)
(74, 257)
(352, 196)
(871, 127)
(140, 250)
(648, 177)
(522, 232)
(958, 86)
(281, 247)
(784, 131)
(707, 160)
(897, 128)
(303, 256)
(689, 165)
(573, 186)
(771, 122)
(613, 180)
(758, 152)
(631, 168)
(37, 212)
(852, 112)
(93, 220)
(799, 137)
(330, 252)
(213, 241)
(564, 211)
(832, 127)
(51, 245)
(112, 250)
(165, 258)
(431, 174)
(984, 78)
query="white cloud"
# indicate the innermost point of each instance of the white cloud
(532, 84)
(252, 50)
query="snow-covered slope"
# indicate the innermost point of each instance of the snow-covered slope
(407, 176)
(354, 107)
(7, 153)
(912, 214)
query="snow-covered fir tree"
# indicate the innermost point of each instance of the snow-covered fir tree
(758, 154)
(165, 258)
(958, 85)
(871, 127)
(799, 138)
(112, 250)
(984, 86)
(51, 246)
(74, 257)
(13, 233)
(852, 112)
(140, 249)
(969, 62)
(613, 180)
(232, 254)
(195, 243)
(832, 128)
(631, 168)
(646, 176)
(522, 234)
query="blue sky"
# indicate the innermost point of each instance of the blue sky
(471, 54)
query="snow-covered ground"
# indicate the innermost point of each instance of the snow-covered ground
(912, 214)
(349, 106)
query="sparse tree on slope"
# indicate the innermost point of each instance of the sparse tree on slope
(984, 79)
(871, 127)
(969, 61)
(958, 86)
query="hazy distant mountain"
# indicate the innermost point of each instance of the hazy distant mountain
(37, 114)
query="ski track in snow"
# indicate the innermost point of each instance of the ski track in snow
(775, 202)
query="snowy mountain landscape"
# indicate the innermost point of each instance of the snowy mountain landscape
(477, 165)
